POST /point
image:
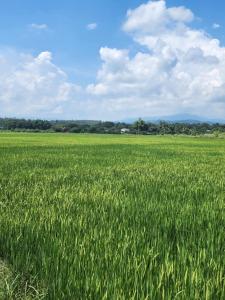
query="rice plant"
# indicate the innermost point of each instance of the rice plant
(114, 217)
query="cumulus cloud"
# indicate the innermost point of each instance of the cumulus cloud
(154, 17)
(92, 26)
(33, 86)
(181, 70)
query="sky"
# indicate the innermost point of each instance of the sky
(112, 60)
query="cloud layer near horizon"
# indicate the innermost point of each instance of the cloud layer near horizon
(181, 69)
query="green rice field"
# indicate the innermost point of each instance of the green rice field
(114, 217)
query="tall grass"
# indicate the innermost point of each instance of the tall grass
(122, 217)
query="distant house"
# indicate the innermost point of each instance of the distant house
(125, 130)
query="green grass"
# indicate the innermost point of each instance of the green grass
(5, 276)
(14, 287)
(114, 217)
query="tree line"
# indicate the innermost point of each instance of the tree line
(138, 127)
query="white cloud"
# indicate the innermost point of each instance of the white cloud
(216, 26)
(182, 69)
(155, 17)
(92, 26)
(39, 26)
(33, 86)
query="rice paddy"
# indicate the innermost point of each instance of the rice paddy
(114, 217)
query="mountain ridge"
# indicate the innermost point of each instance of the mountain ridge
(177, 118)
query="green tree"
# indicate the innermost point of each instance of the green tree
(140, 125)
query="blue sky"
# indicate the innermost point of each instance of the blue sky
(61, 28)
(75, 48)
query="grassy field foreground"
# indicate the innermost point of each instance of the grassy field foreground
(114, 217)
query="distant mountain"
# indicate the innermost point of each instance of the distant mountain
(78, 122)
(179, 118)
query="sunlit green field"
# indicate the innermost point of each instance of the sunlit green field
(114, 217)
